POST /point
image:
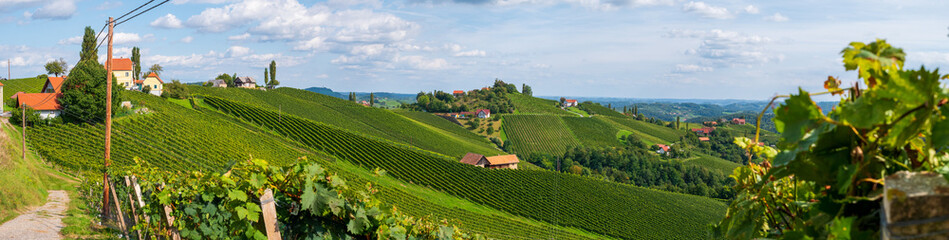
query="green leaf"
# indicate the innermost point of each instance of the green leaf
(237, 195)
(841, 228)
(360, 223)
(795, 118)
(940, 129)
(397, 232)
(241, 212)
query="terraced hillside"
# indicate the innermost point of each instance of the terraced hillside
(532, 105)
(667, 135)
(712, 163)
(598, 206)
(348, 115)
(178, 138)
(538, 133)
(597, 109)
(30, 85)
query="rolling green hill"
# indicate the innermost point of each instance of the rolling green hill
(178, 138)
(532, 105)
(341, 113)
(599, 206)
(592, 132)
(597, 109)
(29, 85)
(538, 133)
(665, 134)
(712, 163)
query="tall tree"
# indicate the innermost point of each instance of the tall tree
(372, 99)
(227, 79)
(136, 63)
(677, 122)
(155, 68)
(266, 78)
(57, 67)
(89, 43)
(562, 99)
(273, 75)
(526, 90)
(84, 91)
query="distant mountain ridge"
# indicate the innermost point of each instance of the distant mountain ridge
(401, 97)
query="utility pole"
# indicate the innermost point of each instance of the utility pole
(23, 124)
(108, 122)
(8, 69)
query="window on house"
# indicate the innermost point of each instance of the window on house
(126, 74)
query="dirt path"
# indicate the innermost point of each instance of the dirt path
(40, 223)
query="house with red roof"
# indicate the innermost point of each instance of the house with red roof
(705, 131)
(122, 70)
(152, 81)
(663, 149)
(483, 113)
(738, 121)
(458, 93)
(46, 103)
(570, 103)
(495, 162)
(704, 139)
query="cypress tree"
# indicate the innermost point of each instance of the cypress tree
(89, 43)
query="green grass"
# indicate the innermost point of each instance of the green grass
(24, 182)
(712, 163)
(538, 133)
(532, 105)
(578, 111)
(748, 130)
(442, 124)
(597, 109)
(592, 132)
(348, 115)
(603, 207)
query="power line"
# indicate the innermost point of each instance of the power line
(133, 10)
(140, 13)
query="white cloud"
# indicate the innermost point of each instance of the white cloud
(728, 49)
(931, 59)
(238, 51)
(244, 36)
(187, 39)
(200, 1)
(592, 4)
(752, 9)
(777, 17)
(707, 11)
(71, 41)
(690, 68)
(167, 21)
(423, 63)
(55, 9)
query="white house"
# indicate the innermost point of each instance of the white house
(45, 103)
(218, 83)
(122, 70)
(152, 81)
(483, 113)
(570, 103)
(245, 82)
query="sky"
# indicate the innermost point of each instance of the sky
(730, 49)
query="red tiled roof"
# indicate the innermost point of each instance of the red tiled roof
(152, 74)
(487, 111)
(472, 158)
(121, 64)
(467, 113)
(39, 101)
(57, 83)
(458, 92)
(14, 95)
(703, 138)
(503, 159)
(571, 100)
(139, 81)
(663, 147)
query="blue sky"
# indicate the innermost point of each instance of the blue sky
(607, 48)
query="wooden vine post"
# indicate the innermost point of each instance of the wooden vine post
(128, 185)
(268, 206)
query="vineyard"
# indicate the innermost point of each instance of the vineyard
(538, 133)
(28, 85)
(598, 206)
(442, 124)
(711, 163)
(664, 133)
(597, 109)
(528, 104)
(348, 115)
(592, 132)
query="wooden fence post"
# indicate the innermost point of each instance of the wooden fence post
(134, 218)
(171, 221)
(269, 209)
(118, 211)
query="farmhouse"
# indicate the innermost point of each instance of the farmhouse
(458, 93)
(465, 114)
(738, 121)
(122, 70)
(483, 113)
(496, 162)
(570, 103)
(45, 103)
(705, 131)
(152, 81)
(218, 83)
(245, 82)
(663, 149)
(704, 139)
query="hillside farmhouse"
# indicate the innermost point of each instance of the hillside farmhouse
(704, 139)
(738, 121)
(663, 149)
(46, 103)
(122, 70)
(483, 113)
(570, 103)
(495, 162)
(218, 83)
(705, 131)
(458, 93)
(153, 81)
(245, 82)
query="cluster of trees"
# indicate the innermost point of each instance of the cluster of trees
(634, 164)
(720, 144)
(270, 77)
(494, 99)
